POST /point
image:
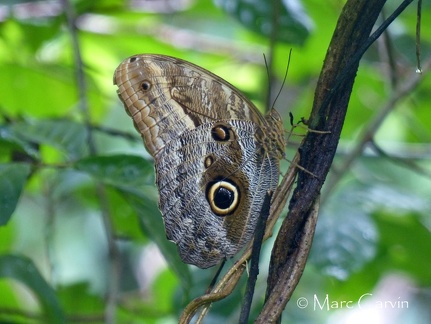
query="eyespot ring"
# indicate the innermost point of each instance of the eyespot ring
(145, 85)
(223, 195)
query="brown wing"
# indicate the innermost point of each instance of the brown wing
(166, 96)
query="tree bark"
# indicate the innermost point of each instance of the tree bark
(317, 151)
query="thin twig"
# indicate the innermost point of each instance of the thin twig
(408, 163)
(368, 133)
(114, 255)
(361, 51)
(79, 70)
(254, 262)
(418, 36)
(115, 132)
(228, 282)
(388, 51)
(49, 230)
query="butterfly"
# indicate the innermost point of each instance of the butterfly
(216, 156)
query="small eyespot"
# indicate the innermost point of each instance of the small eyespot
(209, 160)
(146, 85)
(221, 133)
(132, 59)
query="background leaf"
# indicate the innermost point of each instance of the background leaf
(353, 226)
(293, 23)
(67, 136)
(152, 224)
(126, 172)
(13, 177)
(130, 175)
(11, 144)
(22, 269)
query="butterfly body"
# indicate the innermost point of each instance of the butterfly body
(215, 155)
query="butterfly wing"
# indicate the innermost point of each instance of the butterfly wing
(213, 167)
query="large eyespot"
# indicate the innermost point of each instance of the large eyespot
(146, 85)
(221, 132)
(223, 196)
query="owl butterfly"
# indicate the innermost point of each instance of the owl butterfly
(215, 155)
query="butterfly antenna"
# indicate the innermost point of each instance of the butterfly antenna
(268, 76)
(284, 78)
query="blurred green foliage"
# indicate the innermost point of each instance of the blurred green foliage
(56, 258)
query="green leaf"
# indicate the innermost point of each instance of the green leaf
(346, 237)
(133, 176)
(86, 303)
(152, 224)
(12, 180)
(126, 172)
(402, 239)
(258, 15)
(23, 269)
(37, 89)
(9, 141)
(66, 135)
(34, 34)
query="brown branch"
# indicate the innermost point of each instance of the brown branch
(349, 42)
